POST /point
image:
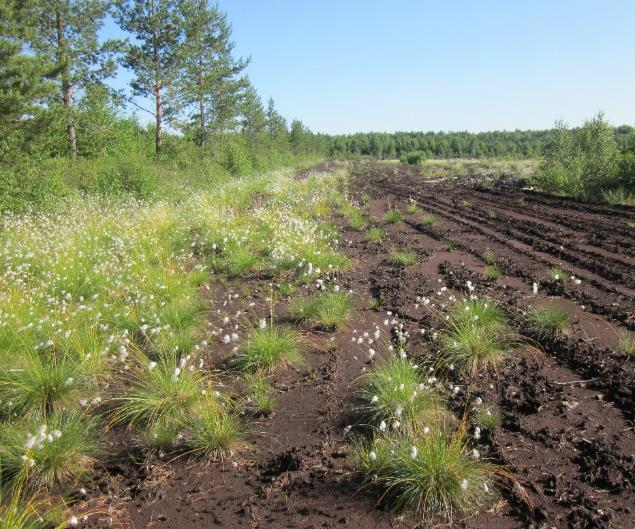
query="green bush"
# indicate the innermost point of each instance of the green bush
(583, 163)
(236, 159)
(113, 176)
(26, 185)
(413, 158)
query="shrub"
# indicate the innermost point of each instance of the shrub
(413, 158)
(26, 185)
(582, 163)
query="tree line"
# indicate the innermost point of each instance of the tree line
(181, 58)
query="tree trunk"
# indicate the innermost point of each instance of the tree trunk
(203, 137)
(67, 89)
(157, 139)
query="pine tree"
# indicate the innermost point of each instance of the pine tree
(210, 84)
(23, 81)
(253, 115)
(276, 127)
(157, 27)
(65, 36)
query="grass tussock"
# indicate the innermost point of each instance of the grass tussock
(397, 392)
(375, 234)
(429, 220)
(329, 310)
(392, 217)
(269, 349)
(428, 474)
(403, 258)
(548, 322)
(477, 337)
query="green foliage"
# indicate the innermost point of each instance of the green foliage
(428, 474)
(548, 322)
(269, 349)
(392, 217)
(27, 185)
(583, 163)
(125, 175)
(396, 390)
(403, 258)
(375, 234)
(329, 310)
(477, 337)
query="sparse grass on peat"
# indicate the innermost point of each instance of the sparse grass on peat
(328, 310)
(557, 274)
(403, 258)
(548, 322)
(260, 394)
(375, 234)
(412, 208)
(626, 343)
(392, 217)
(487, 418)
(429, 220)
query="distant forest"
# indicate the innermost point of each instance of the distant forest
(495, 144)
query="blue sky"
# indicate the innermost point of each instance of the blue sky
(378, 65)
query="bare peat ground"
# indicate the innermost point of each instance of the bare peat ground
(566, 404)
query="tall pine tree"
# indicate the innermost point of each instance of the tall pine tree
(157, 27)
(64, 35)
(210, 85)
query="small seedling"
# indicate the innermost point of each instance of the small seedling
(467, 203)
(412, 208)
(492, 215)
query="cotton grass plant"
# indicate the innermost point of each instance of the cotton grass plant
(328, 310)
(427, 473)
